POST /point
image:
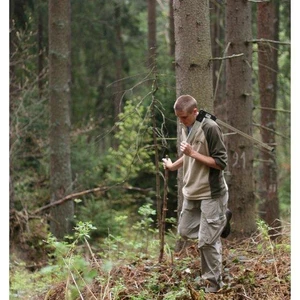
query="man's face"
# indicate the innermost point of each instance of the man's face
(186, 118)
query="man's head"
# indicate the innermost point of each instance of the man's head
(185, 108)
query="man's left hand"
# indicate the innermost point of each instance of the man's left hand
(186, 148)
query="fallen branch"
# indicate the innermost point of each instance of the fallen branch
(75, 195)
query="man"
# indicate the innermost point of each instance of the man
(205, 192)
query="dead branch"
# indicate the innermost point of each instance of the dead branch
(163, 216)
(228, 57)
(75, 195)
(269, 41)
(273, 109)
(270, 130)
(155, 144)
(220, 70)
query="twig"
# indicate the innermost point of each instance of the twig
(92, 253)
(163, 215)
(73, 278)
(220, 71)
(86, 285)
(157, 181)
(243, 295)
(228, 57)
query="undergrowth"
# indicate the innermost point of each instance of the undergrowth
(126, 266)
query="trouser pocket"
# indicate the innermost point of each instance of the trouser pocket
(213, 220)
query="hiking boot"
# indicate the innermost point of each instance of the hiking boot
(209, 287)
(226, 230)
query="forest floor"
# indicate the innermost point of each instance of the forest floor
(254, 268)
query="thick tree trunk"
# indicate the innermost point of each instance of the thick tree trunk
(267, 27)
(59, 84)
(239, 113)
(192, 60)
(193, 51)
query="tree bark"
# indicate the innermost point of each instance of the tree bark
(239, 113)
(171, 30)
(267, 28)
(193, 51)
(192, 61)
(59, 93)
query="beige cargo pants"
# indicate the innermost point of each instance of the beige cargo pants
(204, 220)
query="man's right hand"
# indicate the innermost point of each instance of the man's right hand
(167, 163)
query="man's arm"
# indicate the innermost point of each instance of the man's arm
(172, 166)
(206, 160)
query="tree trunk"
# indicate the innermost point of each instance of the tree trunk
(12, 108)
(40, 50)
(239, 113)
(171, 30)
(267, 28)
(119, 85)
(192, 60)
(59, 85)
(217, 37)
(151, 34)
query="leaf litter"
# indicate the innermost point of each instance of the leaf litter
(252, 269)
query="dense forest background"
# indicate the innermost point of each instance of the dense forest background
(121, 125)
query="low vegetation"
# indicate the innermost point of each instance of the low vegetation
(126, 266)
